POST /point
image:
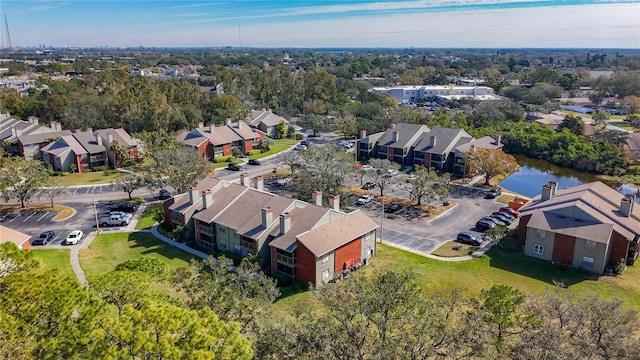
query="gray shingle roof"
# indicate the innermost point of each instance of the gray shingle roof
(89, 142)
(445, 140)
(303, 217)
(407, 135)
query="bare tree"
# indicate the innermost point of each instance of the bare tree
(291, 159)
(427, 184)
(381, 174)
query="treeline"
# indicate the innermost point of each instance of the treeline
(218, 313)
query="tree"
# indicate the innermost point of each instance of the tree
(347, 125)
(491, 162)
(290, 158)
(631, 104)
(162, 330)
(130, 182)
(14, 260)
(325, 169)
(621, 138)
(229, 107)
(600, 118)
(180, 168)
(235, 294)
(51, 192)
(313, 122)
(28, 176)
(121, 288)
(120, 153)
(427, 184)
(381, 173)
(573, 123)
(281, 129)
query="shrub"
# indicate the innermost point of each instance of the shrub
(223, 159)
(254, 152)
(266, 149)
(64, 173)
(128, 163)
(282, 280)
(110, 172)
(620, 267)
(100, 168)
(236, 258)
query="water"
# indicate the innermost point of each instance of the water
(534, 173)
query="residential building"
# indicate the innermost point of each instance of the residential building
(246, 220)
(410, 94)
(110, 136)
(266, 121)
(628, 142)
(26, 138)
(20, 239)
(80, 150)
(410, 144)
(588, 226)
(216, 141)
(462, 152)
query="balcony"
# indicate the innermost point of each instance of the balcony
(286, 260)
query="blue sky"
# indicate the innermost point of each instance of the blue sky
(328, 23)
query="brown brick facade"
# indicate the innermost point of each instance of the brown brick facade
(306, 265)
(167, 213)
(563, 248)
(619, 248)
(522, 229)
(347, 255)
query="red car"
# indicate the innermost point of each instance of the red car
(509, 210)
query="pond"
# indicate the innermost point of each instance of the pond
(534, 173)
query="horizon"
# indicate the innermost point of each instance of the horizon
(382, 24)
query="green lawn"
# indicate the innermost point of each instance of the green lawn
(55, 260)
(108, 250)
(152, 214)
(88, 178)
(496, 267)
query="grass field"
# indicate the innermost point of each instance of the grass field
(53, 259)
(454, 249)
(89, 178)
(152, 214)
(109, 250)
(497, 267)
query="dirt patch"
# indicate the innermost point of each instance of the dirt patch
(454, 249)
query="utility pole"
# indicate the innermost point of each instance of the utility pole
(95, 211)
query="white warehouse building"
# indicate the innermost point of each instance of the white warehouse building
(411, 93)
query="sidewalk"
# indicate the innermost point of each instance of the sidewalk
(478, 253)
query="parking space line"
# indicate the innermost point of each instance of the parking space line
(37, 193)
(17, 216)
(75, 191)
(43, 216)
(100, 188)
(88, 190)
(29, 217)
(2, 218)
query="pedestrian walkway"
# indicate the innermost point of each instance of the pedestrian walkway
(181, 246)
(478, 253)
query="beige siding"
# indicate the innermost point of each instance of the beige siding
(321, 266)
(368, 245)
(599, 254)
(222, 237)
(533, 239)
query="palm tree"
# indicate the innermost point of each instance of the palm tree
(120, 153)
(621, 139)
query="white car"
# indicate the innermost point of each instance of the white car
(300, 147)
(74, 237)
(364, 199)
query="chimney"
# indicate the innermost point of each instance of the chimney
(110, 139)
(432, 141)
(472, 149)
(212, 128)
(58, 126)
(285, 223)
(227, 121)
(266, 217)
(200, 124)
(316, 196)
(363, 134)
(244, 179)
(498, 139)
(626, 204)
(193, 194)
(240, 123)
(33, 119)
(207, 198)
(554, 187)
(52, 125)
(99, 139)
(258, 183)
(547, 191)
(334, 202)
(396, 136)
(90, 130)
(15, 132)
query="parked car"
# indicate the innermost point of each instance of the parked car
(74, 237)
(506, 215)
(364, 199)
(466, 237)
(234, 167)
(115, 220)
(496, 221)
(395, 207)
(300, 147)
(392, 172)
(254, 162)
(283, 182)
(164, 194)
(305, 143)
(368, 186)
(502, 218)
(493, 193)
(510, 211)
(483, 225)
(128, 208)
(367, 168)
(44, 238)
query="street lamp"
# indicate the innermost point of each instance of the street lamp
(95, 211)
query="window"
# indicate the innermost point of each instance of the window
(589, 244)
(325, 275)
(368, 251)
(587, 262)
(538, 249)
(367, 236)
(325, 259)
(236, 248)
(541, 234)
